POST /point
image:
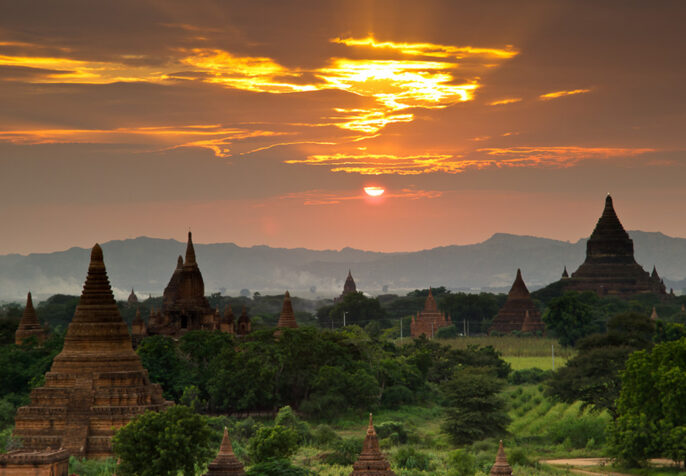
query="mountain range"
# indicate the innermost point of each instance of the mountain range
(146, 264)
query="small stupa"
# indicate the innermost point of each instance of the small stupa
(565, 274)
(349, 287)
(513, 314)
(287, 316)
(371, 461)
(226, 463)
(243, 326)
(133, 299)
(96, 384)
(653, 315)
(29, 325)
(228, 321)
(501, 466)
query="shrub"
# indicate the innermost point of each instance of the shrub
(246, 429)
(518, 456)
(534, 375)
(276, 442)
(410, 458)
(84, 467)
(461, 463)
(345, 452)
(392, 430)
(575, 432)
(323, 435)
(277, 467)
(397, 395)
(287, 418)
(448, 332)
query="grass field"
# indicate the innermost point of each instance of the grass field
(543, 363)
(512, 346)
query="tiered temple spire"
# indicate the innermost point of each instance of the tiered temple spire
(96, 383)
(226, 463)
(513, 315)
(429, 320)
(29, 325)
(501, 466)
(287, 316)
(371, 461)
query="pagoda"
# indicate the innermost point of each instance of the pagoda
(287, 317)
(610, 267)
(371, 461)
(228, 321)
(184, 305)
(501, 466)
(429, 320)
(29, 325)
(243, 327)
(96, 384)
(133, 299)
(513, 315)
(349, 287)
(226, 463)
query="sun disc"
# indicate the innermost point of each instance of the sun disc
(374, 191)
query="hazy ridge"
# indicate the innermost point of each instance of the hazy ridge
(147, 263)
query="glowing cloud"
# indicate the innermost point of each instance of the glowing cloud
(429, 49)
(557, 156)
(559, 94)
(502, 102)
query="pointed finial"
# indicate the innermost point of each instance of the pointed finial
(370, 429)
(500, 457)
(226, 448)
(96, 255)
(190, 251)
(29, 300)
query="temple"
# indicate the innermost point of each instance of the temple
(96, 384)
(610, 267)
(371, 461)
(29, 325)
(35, 463)
(243, 327)
(349, 287)
(228, 321)
(133, 299)
(287, 316)
(429, 320)
(226, 463)
(519, 313)
(184, 305)
(501, 466)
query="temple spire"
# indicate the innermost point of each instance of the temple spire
(287, 316)
(190, 251)
(29, 325)
(226, 463)
(501, 466)
(371, 461)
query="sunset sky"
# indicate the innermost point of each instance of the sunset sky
(261, 122)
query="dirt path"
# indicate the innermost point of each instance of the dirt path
(571, 462)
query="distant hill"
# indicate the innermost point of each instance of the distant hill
(147, 263)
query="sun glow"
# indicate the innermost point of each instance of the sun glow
(374, 191)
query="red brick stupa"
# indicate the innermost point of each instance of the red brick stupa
(226, 463)
(429, 320)
(513, 315)
(610, 267)
(95, 385)
(371, 461)
(29, 325)
(349, 287)
(501, 466)
(287, 317)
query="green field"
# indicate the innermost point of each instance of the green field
(512, 346)
(543, 363)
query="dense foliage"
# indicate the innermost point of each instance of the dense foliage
(652, 405)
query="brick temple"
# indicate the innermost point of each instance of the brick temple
(519, 313)
(429, 320)
(226, 463)
(287, 316)
(610, 268)
(96, 384)
(501, 466)
(29, 325)
(35, 463)
(371, 461)
(349, 287)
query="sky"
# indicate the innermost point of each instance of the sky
(261, 122)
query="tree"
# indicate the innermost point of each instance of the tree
(474, 410)
(275, 442)
(358, 309)
(593, 375)
(573, 316)
(161, 357)
(279, 467)
(163, 443)
(652, 406)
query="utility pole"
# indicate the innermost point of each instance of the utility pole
(464, 327)
(344, 313)
(552, 347)
(401, 330)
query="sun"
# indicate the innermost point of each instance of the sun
(374, 191)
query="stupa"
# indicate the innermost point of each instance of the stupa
(96, 383)
(29, 325)
(228, 321)
(610, 267)
(349, 287)
(501, 466)
(133, 299)
(287, 316)
(371, 461)
(243, 327)
(184, 305)
(429, 320)
(513, 314)
(226, 463)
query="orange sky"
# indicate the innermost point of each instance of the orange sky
(262, 122)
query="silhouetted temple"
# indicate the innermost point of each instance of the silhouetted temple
(519, 313)
(610, 267)
(429, 320)
(349, 287)
(228, 321)
(29, 325)
(184, 305)
(243, 327)
(287, 316)
(96, 383)
(371, 461)
(501, 466)
(226, 463)
(133, 299)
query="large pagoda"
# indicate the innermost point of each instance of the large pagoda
(29, 325)
(610, 267)
(519, 313)
(287, 316)
(429, 320)
(371, 461)
(95, 385)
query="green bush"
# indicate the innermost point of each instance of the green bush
(534, 375)
(392, 430)
(277, 467)
(448, 332)
(276, 442)
(287, 418)
(345, 452)
(518, 456)
(575, 432)
(324, 436)
(461, 463)
(246, 429)
(397, 395)
(411, 458)
(85, 467)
